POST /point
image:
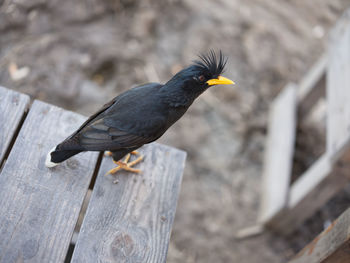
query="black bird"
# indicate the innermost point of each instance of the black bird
(141, 115)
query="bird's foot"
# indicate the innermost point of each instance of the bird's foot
(126, 165)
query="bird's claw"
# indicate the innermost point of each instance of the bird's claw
(126, 165)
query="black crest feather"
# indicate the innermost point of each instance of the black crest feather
(215, 65)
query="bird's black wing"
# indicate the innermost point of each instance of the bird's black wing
(128, 121)
(100, 137)
(95, 116)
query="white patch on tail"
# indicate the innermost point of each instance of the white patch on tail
(48, 162)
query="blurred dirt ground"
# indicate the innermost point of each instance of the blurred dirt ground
(80, 54)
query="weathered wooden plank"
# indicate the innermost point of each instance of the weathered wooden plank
(279, 154)
(39, 207)
(312, 87)
(131, 221)
(12, 108)
(338, 85)
(331, 246)
(312, 190)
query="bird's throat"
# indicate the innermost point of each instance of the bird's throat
(179, 99)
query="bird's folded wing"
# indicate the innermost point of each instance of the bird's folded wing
(126, 121)
(101, 136)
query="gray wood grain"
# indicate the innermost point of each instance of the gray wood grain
(39, 207)
(12, 107)
(131, 221)
(278, 154)
(331, 246)
(338, 85)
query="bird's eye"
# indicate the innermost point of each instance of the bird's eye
(201, 78)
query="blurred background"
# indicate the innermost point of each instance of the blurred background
(80, 54)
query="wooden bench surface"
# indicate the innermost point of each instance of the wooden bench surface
(39, 207)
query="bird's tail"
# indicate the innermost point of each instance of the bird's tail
(60, 154)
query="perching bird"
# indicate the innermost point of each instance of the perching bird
(141, 115)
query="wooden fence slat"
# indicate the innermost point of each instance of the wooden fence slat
(39, 207)
(12, 107)
(279, 154)
(331, 246)
(338, 85)
(131, 221)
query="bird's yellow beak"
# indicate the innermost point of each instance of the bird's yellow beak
(220, 81)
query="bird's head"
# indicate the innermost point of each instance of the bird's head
(189, 83)
(208, 70)
(203, 73)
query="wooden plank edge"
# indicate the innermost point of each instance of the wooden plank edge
(331, 246)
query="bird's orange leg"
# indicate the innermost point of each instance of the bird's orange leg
(126, 165)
